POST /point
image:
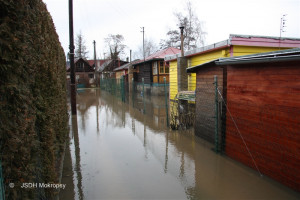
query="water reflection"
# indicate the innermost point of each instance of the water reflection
(77, 167)
(137, 157)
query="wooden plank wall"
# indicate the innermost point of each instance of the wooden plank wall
(145, 72)
(264, 100)
(205, 102)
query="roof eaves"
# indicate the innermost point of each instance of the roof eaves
(142, 61)
(282, 55)
(261, 36)
(195, 68)
(258, 60)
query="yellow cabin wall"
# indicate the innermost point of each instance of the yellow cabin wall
(247, 50)
(119, 74)
(203, 58)
(173, 79)
(209, 56)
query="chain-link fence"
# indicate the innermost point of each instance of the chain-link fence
(139, 95)
(209, 113)
(201, 109)
(117, 87)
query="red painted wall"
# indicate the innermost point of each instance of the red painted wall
(264, 100)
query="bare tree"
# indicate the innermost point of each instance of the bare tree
(150, 48)
(172, 41)
(81, 50)
(115, 45)
(194, 35)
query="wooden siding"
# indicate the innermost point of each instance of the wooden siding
(205, 102)
(119, 74)
(264, 102)
(203, 58)
(160, 78)
(145, 72)
(173, 79)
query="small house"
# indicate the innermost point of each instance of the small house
(260, 116)
(153, 69)
(85, 74)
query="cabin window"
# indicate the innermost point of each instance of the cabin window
(161, 67)
(154, 68)
(80, 66)
(167, 69)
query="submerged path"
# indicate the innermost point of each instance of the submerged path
(117, 152)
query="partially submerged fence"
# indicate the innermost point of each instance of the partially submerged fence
(137, 93)
(204, 112)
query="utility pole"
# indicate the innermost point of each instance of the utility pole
(95, 63)
(95, 53)
(143, 31)
(72, 65)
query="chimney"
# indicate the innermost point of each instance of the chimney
(181, 37)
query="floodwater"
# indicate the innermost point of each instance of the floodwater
(125, 151)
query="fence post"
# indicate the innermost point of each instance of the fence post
(216, 115)
(166, 101)
(143, 93)
(132, 91)
(123, 88)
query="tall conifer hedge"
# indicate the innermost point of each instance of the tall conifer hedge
(33, 111)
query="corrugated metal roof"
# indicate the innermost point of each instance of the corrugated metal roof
(274, 56)
(126, 66)
(98, 62)
(262, 36)
(199, 50)
(104, 65)
(161, 54)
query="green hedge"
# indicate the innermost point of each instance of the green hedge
(33, 111)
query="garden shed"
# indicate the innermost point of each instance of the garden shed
(262, 120)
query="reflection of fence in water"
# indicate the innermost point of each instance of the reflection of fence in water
(202, 109)
(139, 95)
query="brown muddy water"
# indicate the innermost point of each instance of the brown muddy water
(118, 152)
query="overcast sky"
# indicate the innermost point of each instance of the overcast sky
(98, 18)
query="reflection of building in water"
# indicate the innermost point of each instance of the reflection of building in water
(155, 110)
(86, 98)
(201, 172)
